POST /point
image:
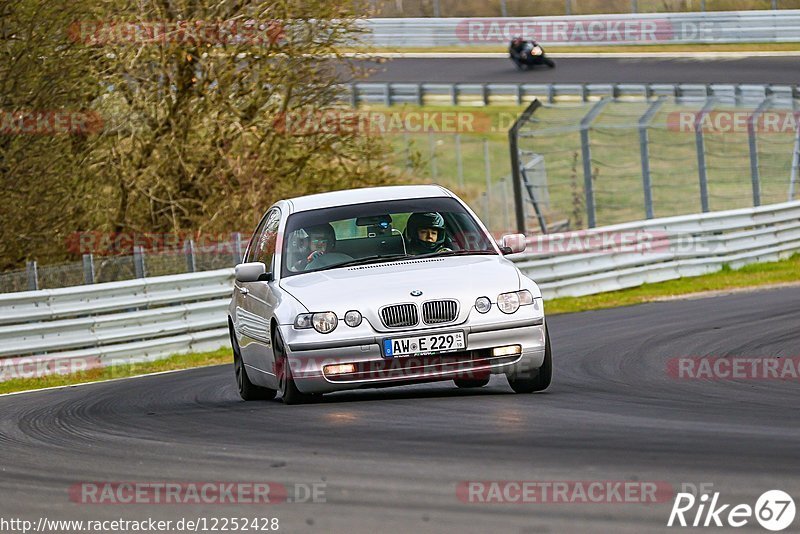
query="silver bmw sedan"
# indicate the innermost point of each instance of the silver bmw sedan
(381, 287)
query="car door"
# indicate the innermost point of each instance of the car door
(255, 302)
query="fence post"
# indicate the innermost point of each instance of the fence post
(237, 248)
(506, 220)
(191, 258)
(703, 6)
(503, 8)
(752, 139)
(88, 269)
(586, 154)
(634, 6)
(432, 150)
(701, 153)
(138, 262)
(644, 151)
(387, 94)
(437, 12)
(459, 161)
(487, 167)
(354, 95)
(407, 143)
(795, 164)
(568, 7)
(516, 171)
(33, 275)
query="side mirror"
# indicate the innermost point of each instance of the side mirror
(513, 243)
(250, 272)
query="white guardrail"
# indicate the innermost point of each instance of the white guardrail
(144, 319)
(586, 30)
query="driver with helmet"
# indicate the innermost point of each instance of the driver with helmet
(320, 240)
(425, 234)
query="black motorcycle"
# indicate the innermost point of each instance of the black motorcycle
(528, 54)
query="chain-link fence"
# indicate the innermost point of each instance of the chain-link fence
(526, 8)
(612, 161)
(95, 269)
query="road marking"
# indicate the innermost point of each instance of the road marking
(107, 380)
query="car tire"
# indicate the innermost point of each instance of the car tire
(465, 383)
(283, 372)
(247, 390)
(543, 377)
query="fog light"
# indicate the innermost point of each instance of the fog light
(352, 318)
(340, 369)
(483, 304)
(510, 350)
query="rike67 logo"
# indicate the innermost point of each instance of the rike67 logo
(774, 510)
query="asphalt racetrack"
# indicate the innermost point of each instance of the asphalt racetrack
(391, 460)
(750, 70)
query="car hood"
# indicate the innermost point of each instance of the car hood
(368, 287)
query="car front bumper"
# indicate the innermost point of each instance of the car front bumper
(308, 360)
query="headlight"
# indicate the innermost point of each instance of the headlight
(483, 304)
(510, 302)
(352, 318)
(324, 322)
(304, 320)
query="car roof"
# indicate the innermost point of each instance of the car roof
(368, 194)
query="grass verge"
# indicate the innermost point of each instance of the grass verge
(757, 274)
(178, 361)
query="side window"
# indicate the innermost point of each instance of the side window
(262, 247)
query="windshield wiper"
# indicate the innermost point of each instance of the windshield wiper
(459, 253)
(369, 259)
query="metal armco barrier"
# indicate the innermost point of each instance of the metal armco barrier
(141, 320)
(487, 94)
(586, 30)
(627, 255)
(117, 322)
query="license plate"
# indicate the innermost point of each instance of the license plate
(424, 345)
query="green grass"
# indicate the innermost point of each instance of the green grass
(758, 274)
(178, 361)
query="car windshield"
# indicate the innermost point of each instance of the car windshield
(375, 232)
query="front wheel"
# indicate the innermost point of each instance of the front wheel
(289, 392)
(549, 62)
(541, 380)
(247, 390)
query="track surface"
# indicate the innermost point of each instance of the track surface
(391, 458)
(778, 70)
